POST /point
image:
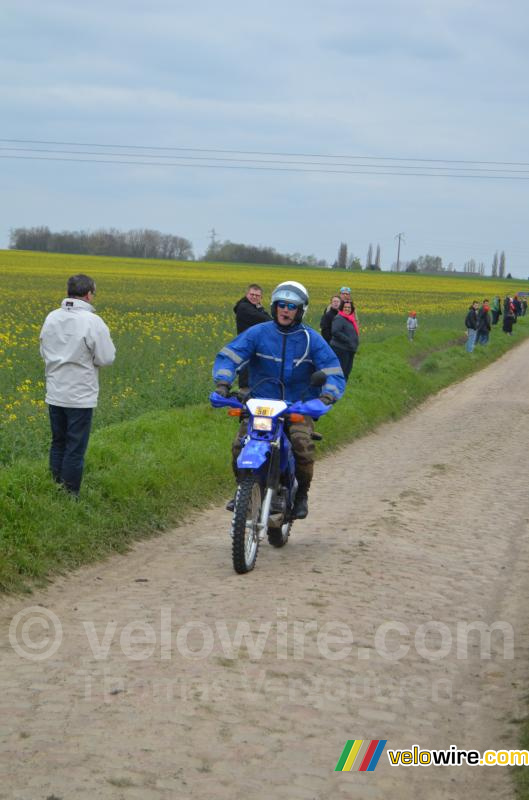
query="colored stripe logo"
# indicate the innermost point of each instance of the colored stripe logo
(364, 753)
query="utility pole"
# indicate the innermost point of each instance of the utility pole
(399, 236)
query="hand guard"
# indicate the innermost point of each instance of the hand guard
(222, 388)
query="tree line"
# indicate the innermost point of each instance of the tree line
(233, 252)
(352, 262)
(426, 263)
(140, 243)
(148, 243)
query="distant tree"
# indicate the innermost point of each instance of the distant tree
(29, 238)
(430, 264)
(412, 266)
(342, 256)
(234, 252)
(369, 259)
(144, 243)
(509, 276)
(501, 268)
(494, 271)
(354, 263)
(377, 257)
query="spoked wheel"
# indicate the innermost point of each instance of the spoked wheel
(278, 537)
(248, 502)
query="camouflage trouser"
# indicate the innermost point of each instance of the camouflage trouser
(300, 435)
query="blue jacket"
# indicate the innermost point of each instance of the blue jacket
(288, 354)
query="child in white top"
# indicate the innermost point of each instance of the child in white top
(412, 325)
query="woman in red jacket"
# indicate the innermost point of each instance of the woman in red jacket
(345, 340)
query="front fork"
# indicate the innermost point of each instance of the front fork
(272, 481)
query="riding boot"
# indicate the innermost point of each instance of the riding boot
(301, 503)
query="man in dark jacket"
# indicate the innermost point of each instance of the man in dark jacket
(327, 318)
(471, 324)
(249, 311)
(483, 325)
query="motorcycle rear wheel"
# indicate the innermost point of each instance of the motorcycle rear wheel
(245, 532)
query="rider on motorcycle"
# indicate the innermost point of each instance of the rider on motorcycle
(289, 351)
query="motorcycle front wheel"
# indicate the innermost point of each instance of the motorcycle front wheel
(245, 531)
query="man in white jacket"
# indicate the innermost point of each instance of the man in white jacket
(74, 343)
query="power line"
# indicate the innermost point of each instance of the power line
(247, 161)
(265, 153)
(325, 170)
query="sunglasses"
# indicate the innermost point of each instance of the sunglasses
(290, 306)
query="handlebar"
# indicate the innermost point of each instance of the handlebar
(311, 408)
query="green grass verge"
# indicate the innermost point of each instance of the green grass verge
(148, 473)
(521, 774)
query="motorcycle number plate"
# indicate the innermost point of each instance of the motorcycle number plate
(264, 411)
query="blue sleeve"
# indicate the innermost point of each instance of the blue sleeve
(234, 355)
(325, 359)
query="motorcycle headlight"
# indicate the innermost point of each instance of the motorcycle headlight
(262, 423)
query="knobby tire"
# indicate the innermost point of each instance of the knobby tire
(248, 502)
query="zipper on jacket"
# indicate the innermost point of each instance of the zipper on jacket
(282, 373)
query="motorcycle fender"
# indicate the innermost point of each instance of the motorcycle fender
(253, 454)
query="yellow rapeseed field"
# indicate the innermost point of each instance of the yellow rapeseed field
(169, 319)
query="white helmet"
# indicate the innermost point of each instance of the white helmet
(290, 292)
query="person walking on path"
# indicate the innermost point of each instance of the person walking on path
(74, 343)
(471, 324)
(345, 337)
(412, 324)
(249, 311)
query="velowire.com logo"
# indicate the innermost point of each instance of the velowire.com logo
(364, 753)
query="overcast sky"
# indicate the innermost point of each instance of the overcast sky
(409, 79)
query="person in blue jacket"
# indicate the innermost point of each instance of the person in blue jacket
(282, 355)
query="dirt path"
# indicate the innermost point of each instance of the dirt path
(412, 530)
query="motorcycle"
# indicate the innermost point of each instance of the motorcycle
(267, 482)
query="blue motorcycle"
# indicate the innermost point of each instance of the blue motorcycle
(267, 483)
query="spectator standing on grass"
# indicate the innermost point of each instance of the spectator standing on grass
(471, 324)
(328, 316)
(517, 303)
(412, 325)
(249, 311)
(496, 310)
(483, 329)
(74, 343)
(345, 294)
(509, 317)
(345, 338)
